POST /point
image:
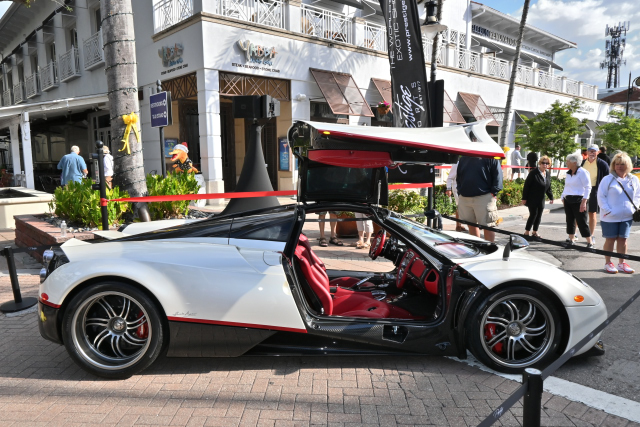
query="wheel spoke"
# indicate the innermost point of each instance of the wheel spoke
(132, 340)
(530, 314)
(136, 323)
(527, 345)
(534, 332)
(496, 339)
(100, 337)
(115, 346)
(107, 307)
(125, 308)
(498, 320)
(511, 313)
(514, 310)
(511, 349)
(97, 321)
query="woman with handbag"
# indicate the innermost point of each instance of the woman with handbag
(536, 186)
(618, 198)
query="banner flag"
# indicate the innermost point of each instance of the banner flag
(408, 69)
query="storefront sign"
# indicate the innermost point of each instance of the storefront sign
(256, 53)
(586, 109)
(501, 38)
(284, 155)
(406, 57)
(171, 55)
(160, 105)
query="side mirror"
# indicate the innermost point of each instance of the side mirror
(434, 214)
(515, 242)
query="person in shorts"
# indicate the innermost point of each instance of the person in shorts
(478, 182)
(452, 189)
(332, 226)
(597, 169)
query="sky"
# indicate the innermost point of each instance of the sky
(583, 22)
(579, 21)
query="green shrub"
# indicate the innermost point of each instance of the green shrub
(77, 202)
(511, 194)
(173, 184)
(557, 187)
(444, 204)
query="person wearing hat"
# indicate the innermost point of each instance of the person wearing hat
(108, 167)
(597, 169)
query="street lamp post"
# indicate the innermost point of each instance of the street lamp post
(636, 82)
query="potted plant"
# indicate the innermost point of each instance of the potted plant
(346, 228)
(383, 108)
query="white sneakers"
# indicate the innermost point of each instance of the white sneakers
(622, 268)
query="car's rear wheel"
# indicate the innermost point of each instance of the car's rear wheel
(515, 328)
(112, 330)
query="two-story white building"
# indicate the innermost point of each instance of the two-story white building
(324, 60)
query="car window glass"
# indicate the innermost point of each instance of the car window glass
(332, 181)
(272, 226)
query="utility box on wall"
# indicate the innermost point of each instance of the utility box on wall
(255, 107)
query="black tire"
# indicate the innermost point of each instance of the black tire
(113, 330)
(509, 348)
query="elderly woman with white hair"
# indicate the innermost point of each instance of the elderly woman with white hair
(577, 187)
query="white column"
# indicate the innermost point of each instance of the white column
(15, 148)
(42, 50)
(358, 31)
(26, 62)
(563, 87)
(210, 131)
(451, 57)
(580, 88)
(536, 76)
(294, 16)
(26, 149)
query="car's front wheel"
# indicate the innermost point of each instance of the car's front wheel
(112, 330)
(515, 328)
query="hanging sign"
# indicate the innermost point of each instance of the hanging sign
(284, 155)
(160, 105)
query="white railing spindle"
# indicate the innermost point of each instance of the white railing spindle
(167, 13)
(326, 24)
(93, 52)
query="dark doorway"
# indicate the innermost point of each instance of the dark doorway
(189, 131)
(228, 141)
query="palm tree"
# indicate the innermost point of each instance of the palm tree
(436, 43)
(122, 85)
(514, 72)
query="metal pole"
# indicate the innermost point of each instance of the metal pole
(628, 94)
(533, 398)
(161, 129)
(429, 204)
(18, 303)
(103, 186)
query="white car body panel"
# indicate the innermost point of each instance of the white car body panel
(583, 320)
(239, 288)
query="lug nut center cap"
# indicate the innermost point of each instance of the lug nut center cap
(119, 325)
(514, 328)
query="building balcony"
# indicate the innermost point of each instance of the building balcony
(69, 65)
(18, 93)
(264, 12)
(375, 36)
(31, 86)
(6, 98)
(93, 52)
(49, 77)
(167, 13)
(326, 24)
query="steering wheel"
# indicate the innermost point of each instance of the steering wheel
(378, 244)
(403, 269)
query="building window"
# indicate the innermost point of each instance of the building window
(321, 112)
(98, 19)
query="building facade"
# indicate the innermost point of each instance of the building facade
(324, 60)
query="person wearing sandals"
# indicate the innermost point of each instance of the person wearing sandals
(332, 226)
(365, 230)
(575, 196)
(537, 184)
(618, 197)
(451, 188)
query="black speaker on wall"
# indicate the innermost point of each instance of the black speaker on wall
(247, 107)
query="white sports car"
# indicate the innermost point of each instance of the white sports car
(250, 283)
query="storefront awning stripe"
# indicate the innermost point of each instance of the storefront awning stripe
(451, 114)
(478, 108)
(342, 93)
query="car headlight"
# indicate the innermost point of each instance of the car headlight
(52, 259)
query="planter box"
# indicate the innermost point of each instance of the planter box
(33, 230)
(20, 201)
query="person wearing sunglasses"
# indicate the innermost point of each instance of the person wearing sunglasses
(536, 186)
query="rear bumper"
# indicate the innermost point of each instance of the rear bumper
(48, 322)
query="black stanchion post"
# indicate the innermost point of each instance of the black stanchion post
(532, 398)
(161, 128)
(102, 185)
(429, 204)
(18, 302)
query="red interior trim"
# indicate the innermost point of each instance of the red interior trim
(452, 150)
(351, 158)
(50, 304)
(240, 325)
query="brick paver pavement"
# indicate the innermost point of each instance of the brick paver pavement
(40, 385)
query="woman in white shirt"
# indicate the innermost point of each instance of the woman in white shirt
(577, 186)
(617, 208)
(108, 167)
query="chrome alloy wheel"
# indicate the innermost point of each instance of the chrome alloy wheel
(517, 330)
(111, 330)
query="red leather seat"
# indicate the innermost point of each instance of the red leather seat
(347, 303)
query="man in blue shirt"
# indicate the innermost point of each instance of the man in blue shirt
(73, 167)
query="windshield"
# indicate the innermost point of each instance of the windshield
(446, 245)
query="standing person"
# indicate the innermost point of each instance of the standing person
(365, 230)
(537, 184)
(584, 154)
(332, 226)
(597, 169)
(478, 182)
(532, 159)
(108, 167)
(575, 196)
(73, 167)
(618, 193)
(602, 154)
(515, 162)
(452, 188)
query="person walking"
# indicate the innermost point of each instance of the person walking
(537, 184)
(577, 187)
(478, 182)
(597, 169)
(365, 231)
(618, 197)
(515, 162)
(452, 189)
(73, 167)
(108, 167)
(603, 155)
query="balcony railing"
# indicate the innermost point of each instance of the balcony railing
(497, 68)
(375, 36)
(326, 24)
(93, 52)
(468, 60)
(31, 85)
(6, 98)
(18, 93)
(167, 13)
(572, 87)
(69, 63)
(589, 91)
(49, 77)
(524, 75)
(427, 47)
(264, 12)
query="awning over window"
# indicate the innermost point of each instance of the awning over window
(384, 88)
(520, 115)
(342, 93)
(478, 108)
(451, 114)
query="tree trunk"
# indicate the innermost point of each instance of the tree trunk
(122, 85)
(436, 43)
(514, 72)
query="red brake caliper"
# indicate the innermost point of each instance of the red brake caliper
(490, 332)
(142, 330)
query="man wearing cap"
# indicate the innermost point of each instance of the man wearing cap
(597, 169)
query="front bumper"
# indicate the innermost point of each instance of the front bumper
(49, 323)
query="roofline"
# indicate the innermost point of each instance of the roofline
(9, 14)
(531, 27)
